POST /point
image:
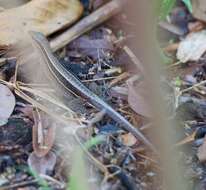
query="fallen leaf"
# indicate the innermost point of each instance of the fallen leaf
(201, 154)
(192, 47)
(7, 104)
(43, 133)
(95, 45)
(42, 165)
(128, 139)
(137, 98)
(196, 26)
(46, 16)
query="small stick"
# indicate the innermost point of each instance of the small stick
(119, 78)
(49, 178)
(174, 65)
(98, 79)
(21, 184)
(194, 86)
(98, 117)
(94, 19)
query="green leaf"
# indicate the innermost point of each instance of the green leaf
(94, 141)
(188, 4)
(178, 82)
(165, 8)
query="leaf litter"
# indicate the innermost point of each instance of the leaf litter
(120, 157)
(110, 156)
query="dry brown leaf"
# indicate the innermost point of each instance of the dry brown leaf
(7, 103)
(196, 26)
(42, 165)
(137, 98)
(128, 139)
(46, 16)
(43, 133)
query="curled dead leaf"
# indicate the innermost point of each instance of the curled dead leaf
(7, 103)
(43, 133)
(42, 165)
(128, 139)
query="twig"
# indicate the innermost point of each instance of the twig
(148, 158)
(45, 96)
(49, 178)
(194, 86)
(87, 23)
(98, 117)
(99, 79)
(45, 109)
(187, 139)
(21, 184)
(174, 64)
(20, 93)
(119, 78)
